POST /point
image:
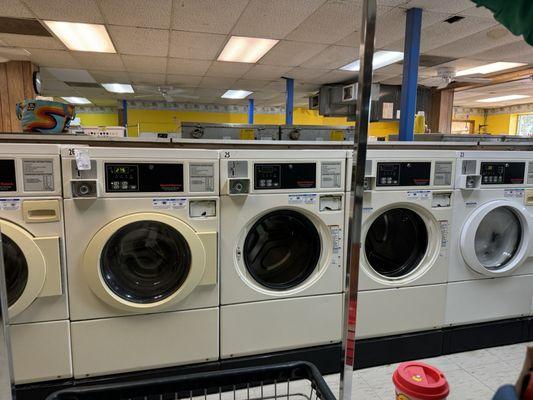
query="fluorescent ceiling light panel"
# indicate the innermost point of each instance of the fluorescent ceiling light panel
(82, 37)
(246, 49)
(503, 98)
(489, 68)
(236, 94)
(381, 59)
(77, 100)
(118, 87)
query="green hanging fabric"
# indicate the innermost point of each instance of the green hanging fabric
(515, 15)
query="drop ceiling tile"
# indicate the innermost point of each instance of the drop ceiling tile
(201, 46)
(228, 69)
(448, 6)
(139, 13)
(15, 9)
(266, 72)
(110, 76)
(274, 18)
(209, 92)
(71, 75)
(60, 93)
(293, 54)
(207, 15)
(391, 3)
(66, 10)
(139, 78)
(15, 53)
(277, 85)
(216, 83)
(250, 84)
(335, 77)
(518, 51)
(88, 92)
(54, 84)
(477, 43)
(480, 12)
(333, 57)
(153, 65)
(396, 80)
(183, 80)
(54, 58)
(265, 95)
(100, 61)
(393, 69)
(29, 41)
(353, 39)
(103, 101)
(442, 33)
(139, 41)
(306, 74)
(181, 66)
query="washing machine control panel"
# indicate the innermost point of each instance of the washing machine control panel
(143, 177)
(8, 182)
(502, 173)
(403, 173)
(284, 176)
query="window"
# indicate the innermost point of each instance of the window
(525, 125)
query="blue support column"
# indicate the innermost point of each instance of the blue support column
(251, 111)
(411, 58)
(289, 104)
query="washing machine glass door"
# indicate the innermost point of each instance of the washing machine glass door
(498, 238)
(147, 261)
(396, 242)
(16, 268)
(282, 249)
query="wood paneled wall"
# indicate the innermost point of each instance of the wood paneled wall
(16, 85)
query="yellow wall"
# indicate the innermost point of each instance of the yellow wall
(499, 124)
(168, 120)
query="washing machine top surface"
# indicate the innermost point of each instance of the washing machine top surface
(24, 149)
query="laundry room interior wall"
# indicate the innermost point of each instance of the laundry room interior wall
(167, 120)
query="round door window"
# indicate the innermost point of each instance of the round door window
(145, 261)
(16, 268)
(396, 242)
(498, 238)
(282, 249)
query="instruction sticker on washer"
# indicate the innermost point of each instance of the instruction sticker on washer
(444, 231)
(169, 204)
(201, 178)
(83, 160)
(513, 193)
(9, 204)
(304, 198)
(419, 194)
(336, 238)
(38, 175)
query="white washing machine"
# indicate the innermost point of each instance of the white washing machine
(491, 271)
(31, 221)
(407, 212)
(142, 231)
(282, 249)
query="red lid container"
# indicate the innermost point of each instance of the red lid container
(420, 381)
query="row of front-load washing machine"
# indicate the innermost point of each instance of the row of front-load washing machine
(124, 259)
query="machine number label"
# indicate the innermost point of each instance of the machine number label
(9, 204)
(305, 198)
(418, 194)
(169, 204)
(513, 193)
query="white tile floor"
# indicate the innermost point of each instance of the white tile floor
(474, 375)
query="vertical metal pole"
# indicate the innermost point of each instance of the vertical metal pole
(7, 387)
(251, 111)
(411, 58)
(289, 104)
(366, 52)
(125, 113)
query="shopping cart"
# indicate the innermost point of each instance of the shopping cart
(290, 381)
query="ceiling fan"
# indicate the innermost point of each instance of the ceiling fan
(446, 75)
(168, 93)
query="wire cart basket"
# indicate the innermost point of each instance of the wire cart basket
(290, 381)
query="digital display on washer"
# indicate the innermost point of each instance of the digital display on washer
(285, 176)
(144, 177)
(403, 173)
(8, 182)
(502, 173)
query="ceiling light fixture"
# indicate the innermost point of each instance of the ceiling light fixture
(489, 68)
(246, 49)
(236, 94)
(503, 98)
(118, 87)
(77, 100)
(82, 37)
(381, 59)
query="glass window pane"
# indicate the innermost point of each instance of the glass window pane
(16, 268)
